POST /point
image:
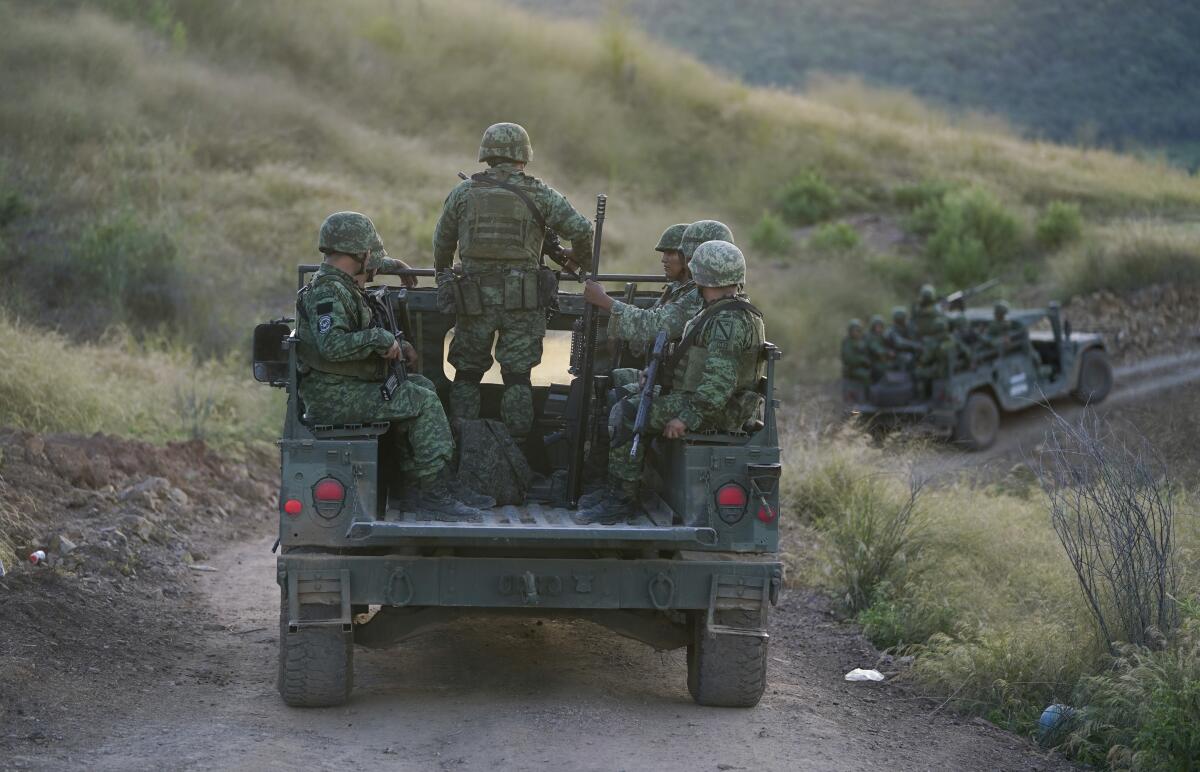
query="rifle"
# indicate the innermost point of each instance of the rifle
(957, 301)
(585, 332)
(397, 371)
(647, 397)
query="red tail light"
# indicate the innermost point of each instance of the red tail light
(293, 507)
(766, 514)
(731, 495)
(329, 495)
(329, 489)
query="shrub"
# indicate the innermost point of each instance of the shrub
(770, 236)
(12, 206)
(834, 237)
(808, 199)
(134, 266)
(971, 235)
(917, 195)
(896, 620)
(1059, 225)
(1131, 258)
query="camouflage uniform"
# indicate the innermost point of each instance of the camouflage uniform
(877, 348)
(942, 352)
(714, 386)
(679, 302)
(926, 314)
(1004, 334)
(500, 245)
(856, 357)
(342, 367)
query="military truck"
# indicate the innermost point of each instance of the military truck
(1049, 361)
(700, 569)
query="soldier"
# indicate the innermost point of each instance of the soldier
(497, 220)
(856, 359)
(933, 363)
(899, 337)
(712, 380)
(1003, 334)
(679, 302)
(342, 363)
(881, 356)
(926, 313)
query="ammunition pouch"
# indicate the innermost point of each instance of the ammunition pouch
(547, 287)
(509, 291)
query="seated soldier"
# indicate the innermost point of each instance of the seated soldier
(711, 381)
(882, 357)
(936, 357)
(1004, 334)
(856, 359)
(966, 342)
(679, 302)
(343, 355)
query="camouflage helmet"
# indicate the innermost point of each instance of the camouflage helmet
(939, 324)
(898, 313)
(349, 233)
(1001, 308)
(855, 324)
(718, 264)
(928, 293)
(507, 142)
(701, 231)
(378, 254)
(671, 238)
(875, 319)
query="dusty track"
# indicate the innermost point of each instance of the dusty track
(516, 695)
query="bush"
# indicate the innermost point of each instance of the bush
(917, 195)
(12, 206)
(1059, 225)
(1130, 259)
(971, 235)
(808, 199)
(834, 237)
(133, 266)
(896, 621)
(770, 236)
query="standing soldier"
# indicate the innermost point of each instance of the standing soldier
(498, 220)
(881, 355)
(856, 359)
(927, 313)
(343, 357)
(712, 380)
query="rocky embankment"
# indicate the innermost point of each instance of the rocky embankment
(1157, 320)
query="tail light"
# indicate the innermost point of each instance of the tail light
(293, 507)
(328, 496)
(764, 480)
(766, 514)
(731, 502)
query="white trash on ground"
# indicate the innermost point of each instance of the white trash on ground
(858, 674)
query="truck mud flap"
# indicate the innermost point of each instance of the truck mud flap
(747, 593)
(321, 587)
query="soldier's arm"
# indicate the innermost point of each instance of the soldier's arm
(336, 338)
(640, 326)
(728, 336)
(445, 233)
(563, 219)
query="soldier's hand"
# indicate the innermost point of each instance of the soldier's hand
(395, 352)
(594, 293)
(407, 281)
(410, 354)
(674, 429)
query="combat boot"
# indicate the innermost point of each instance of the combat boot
(437, 498)
(607, 506)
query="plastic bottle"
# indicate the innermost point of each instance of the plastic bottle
(37, 556)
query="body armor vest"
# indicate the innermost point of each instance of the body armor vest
(750, 362)
(497, 225)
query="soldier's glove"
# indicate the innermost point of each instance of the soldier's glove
(446, 302)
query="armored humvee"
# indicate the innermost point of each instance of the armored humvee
(1048, 362)
(699, 569)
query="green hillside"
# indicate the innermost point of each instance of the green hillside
(1118, 74)
(166, 163)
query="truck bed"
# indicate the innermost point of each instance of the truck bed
(531, 522)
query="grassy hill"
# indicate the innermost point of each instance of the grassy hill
(166, 163)
(1120, 74)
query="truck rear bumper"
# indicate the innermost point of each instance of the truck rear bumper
(529, 583)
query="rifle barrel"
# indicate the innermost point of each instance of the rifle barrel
(583, 420)
(650, 278)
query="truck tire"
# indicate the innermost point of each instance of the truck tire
(1095, 378)
(316, 664)
(726, 671)
(978, 422)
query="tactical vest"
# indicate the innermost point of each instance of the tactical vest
(497, 225)
(372, 368)
(750, 363)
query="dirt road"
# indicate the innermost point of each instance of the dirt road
(513, 695)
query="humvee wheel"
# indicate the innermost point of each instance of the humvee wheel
(1095, 378)
(316, 664)
(727, 671)
(978, 422)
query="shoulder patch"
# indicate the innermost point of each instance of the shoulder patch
(324, 308)
(722, 329)
(324, 323)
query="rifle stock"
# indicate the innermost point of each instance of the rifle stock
(583, 377)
